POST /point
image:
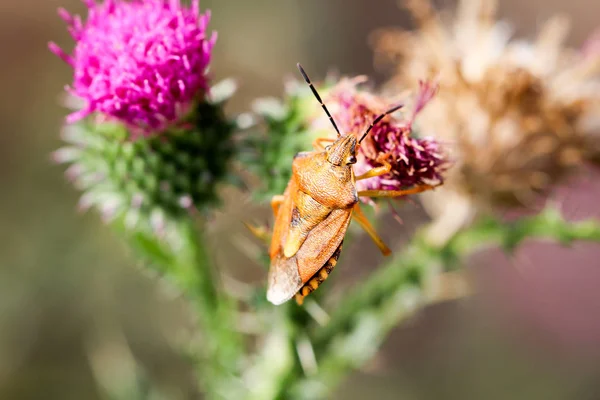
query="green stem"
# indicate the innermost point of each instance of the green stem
(221, 343)
(276, 366)
(185, 261)
(194, 275)
(358, 327)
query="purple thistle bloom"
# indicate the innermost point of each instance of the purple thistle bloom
(414, 161)
(142, 62)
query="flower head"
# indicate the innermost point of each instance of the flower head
(296, 122)
(414, 161)
(140, 62)
(520, 115)
(149, 183)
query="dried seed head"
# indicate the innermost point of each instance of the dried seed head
(519, 115)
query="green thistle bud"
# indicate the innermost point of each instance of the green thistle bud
(290, 128)
(153, 180)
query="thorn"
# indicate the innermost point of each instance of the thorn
(85, 202)
(137, 200)
(186, 201)
(395, 212)
(317, 312)
(158, 223)
(250, 249)
(237, 289)
(306, 354)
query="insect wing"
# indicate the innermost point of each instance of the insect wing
(322, 242)
(283, 220)
(284, 279)
(287, 275)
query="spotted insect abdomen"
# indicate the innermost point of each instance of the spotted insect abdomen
(318, 278)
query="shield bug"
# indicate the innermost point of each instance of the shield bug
(313, 213)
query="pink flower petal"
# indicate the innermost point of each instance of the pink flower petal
(414, 161)
(141, 79)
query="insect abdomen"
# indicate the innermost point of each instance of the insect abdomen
(318, 278)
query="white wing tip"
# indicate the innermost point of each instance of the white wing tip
(278, 297)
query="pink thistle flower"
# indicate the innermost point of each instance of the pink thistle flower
(414, 161)
(142, 62)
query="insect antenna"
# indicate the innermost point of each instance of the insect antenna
(306, 78)
(379, 118)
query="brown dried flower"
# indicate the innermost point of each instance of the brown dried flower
(519, 115)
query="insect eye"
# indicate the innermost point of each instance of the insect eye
(327, 148)
(352, 160)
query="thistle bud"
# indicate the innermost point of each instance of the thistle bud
(287, 123)
(150, 143)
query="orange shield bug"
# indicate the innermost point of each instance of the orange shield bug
(313, 214)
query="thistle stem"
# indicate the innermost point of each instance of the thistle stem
(221, 349)
(356, 330)
(276, 367)
(185, 261)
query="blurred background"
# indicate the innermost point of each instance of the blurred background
(79, 320)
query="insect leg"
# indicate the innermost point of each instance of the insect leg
(366, 225)
(396, 193)
(259, 231)
(276, 202)
(377, 171)
(317, 143)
